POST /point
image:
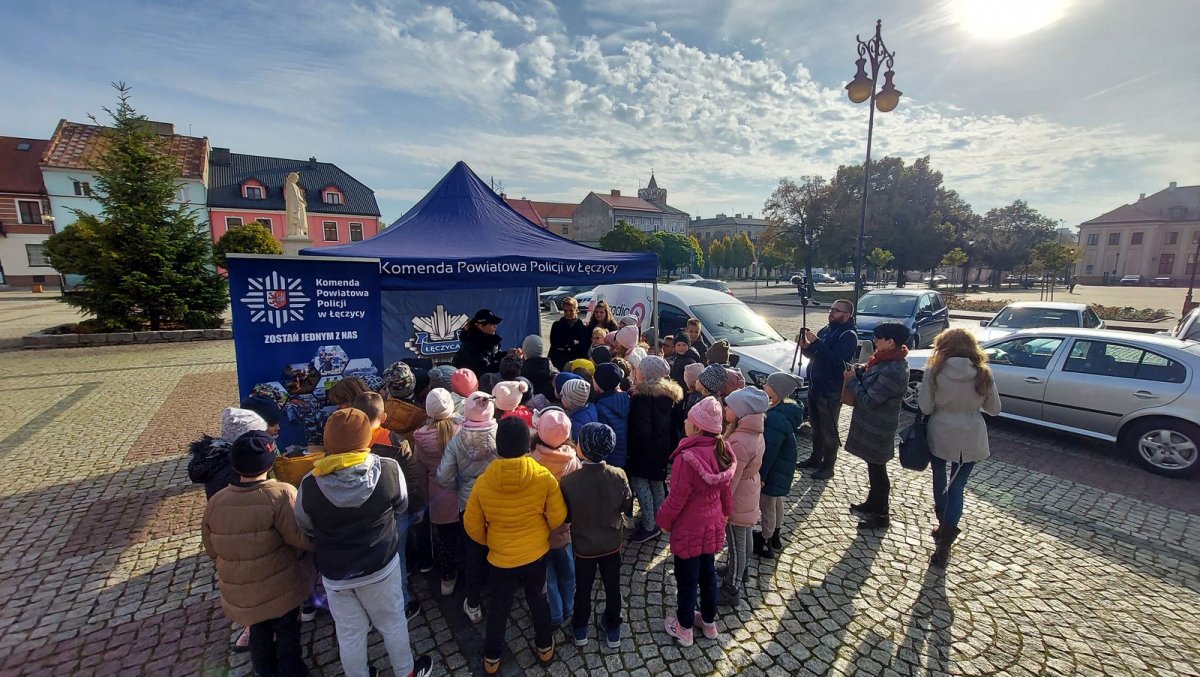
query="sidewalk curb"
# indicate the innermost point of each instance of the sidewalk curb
(41, 340)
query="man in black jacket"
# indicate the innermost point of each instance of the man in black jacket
(828, 352)
(569, 336)
(479, 345)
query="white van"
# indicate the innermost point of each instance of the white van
(760, 349)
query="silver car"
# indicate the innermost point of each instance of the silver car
(1031, 314)
(1139, 391)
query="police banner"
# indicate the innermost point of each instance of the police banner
(427, 323)
(300, 325)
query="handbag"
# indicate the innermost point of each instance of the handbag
(914, 445)
(847, 394)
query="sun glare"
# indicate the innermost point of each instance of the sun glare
(1006, 19)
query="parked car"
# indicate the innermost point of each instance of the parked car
(1188, 328)
(824, 278)
(936, 278)
(1031, 314)
(1138, 391)
(691, 276)
(584, 300)
(703, 283)
(1131, 281)
(923, 311)
(1161, 281)
(552, 300)
(760, 350)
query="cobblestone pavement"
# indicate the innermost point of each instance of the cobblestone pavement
(1072, 560)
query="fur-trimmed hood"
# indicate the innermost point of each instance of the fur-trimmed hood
(659, 387)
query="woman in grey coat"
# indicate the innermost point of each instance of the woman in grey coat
(878, 389)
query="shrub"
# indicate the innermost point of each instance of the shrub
(251, 238)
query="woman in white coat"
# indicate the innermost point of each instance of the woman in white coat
(958, 385)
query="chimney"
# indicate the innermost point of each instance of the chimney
(162, 128)
(1171, 186)
(617, 193)
(738, 215)
(1141, 197)
(219, 157)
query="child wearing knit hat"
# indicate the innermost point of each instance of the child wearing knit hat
(574, 393)
(509, 395)
(467, 456)
(429, 445)
(210, 463)
(597, 497)
(779, 457)
(612, 408)
(712, 380)
(745, 411)
(626, 340)
(683, 355)
(401, 415)
(651, 441)
(464, 382)
(582, 368)
(552, 449)
(514, 507)
(695, 514)
(537, 367)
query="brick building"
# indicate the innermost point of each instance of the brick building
(24, 208)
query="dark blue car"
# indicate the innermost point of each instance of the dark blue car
(921, 310)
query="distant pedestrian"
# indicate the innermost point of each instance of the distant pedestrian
(828, 352)
(1071, 285)
(958, 385)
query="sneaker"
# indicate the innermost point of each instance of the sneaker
(823, 474)
(412, 610)
(448, 585)
(308, 612)
(709, 629)
(581, 636)
(728, 597)
(546, 655)
(474, 613)
(647, 535)
(612, 637)
(634, 535)
(242, 644)
(422, 666)
(809, 463)
(861, 509)
(674, 629)
(425, 567)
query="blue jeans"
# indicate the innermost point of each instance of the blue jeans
(948, 498)
(650, 495)
(560, 583)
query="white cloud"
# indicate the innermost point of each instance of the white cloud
(499, 12)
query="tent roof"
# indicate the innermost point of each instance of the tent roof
(462, 235)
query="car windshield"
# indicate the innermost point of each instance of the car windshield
(736, 323)
(887, 305)
(1022, 318)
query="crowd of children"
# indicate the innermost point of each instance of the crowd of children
(527, 484)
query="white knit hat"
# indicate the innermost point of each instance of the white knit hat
(236, 422)
(508, 394)
(438, 404)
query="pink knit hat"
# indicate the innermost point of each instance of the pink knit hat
(707, 415)
(508, 394)
(464, 382)
(691, 373)
(628, 337)
(553, 427)
(479, 407)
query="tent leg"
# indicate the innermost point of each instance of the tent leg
(654, 310)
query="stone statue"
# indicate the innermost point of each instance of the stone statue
(296, 206)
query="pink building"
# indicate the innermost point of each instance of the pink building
(245, 188)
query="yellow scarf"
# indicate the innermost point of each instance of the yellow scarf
(334, 462)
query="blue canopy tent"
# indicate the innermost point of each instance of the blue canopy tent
(462, 248)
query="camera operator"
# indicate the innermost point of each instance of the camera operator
(828, 352)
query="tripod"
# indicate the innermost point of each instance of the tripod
(804, 301)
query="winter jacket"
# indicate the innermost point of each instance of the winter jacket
(651, 429)
(443, 503)
(597, 497)
(414, 477)
(478, 352)
(699, 503)
(779, 454)
(403, 417)
(612, 409)
(581, 416)
(514, 507)
(747, 445)
(250, 533)
(350, 514)
(836, 345)
(569, 340)
(560, 462)
(465, 459)
(210, 465)
(680, 363)
(877, 397)
(956, 430)
(540, 372)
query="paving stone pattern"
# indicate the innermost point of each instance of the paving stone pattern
(1072, 560)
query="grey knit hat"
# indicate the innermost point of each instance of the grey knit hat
(533, 346)
(713, 378)
(575, 393)
(439, 376)
(784, 384)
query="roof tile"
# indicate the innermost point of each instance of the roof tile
(79, 146)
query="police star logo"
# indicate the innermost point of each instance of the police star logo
(275, 299)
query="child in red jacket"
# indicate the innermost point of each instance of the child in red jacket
(695, 514)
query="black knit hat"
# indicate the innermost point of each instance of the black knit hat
(265, 407)
(253, 453)
(512, 438)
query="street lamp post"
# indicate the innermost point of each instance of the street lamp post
(1187, 300)
(862, 88)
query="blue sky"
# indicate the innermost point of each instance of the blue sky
(1074, 105)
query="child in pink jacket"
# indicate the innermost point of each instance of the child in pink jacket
(553, 450)
(429, 443)
(695, 513)
(745, 416)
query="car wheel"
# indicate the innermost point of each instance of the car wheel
(1165, 446)
(909, 403)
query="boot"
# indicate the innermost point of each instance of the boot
(941, 516)
(813, 461)
(776, 541)
(941, 553)
(761, 547)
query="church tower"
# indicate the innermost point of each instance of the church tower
(652, 193)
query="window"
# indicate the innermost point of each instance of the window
(1090, 268)
(29, 211)
(333, 198)
(1191, 264)
(1166, 264)
(672, 319)
(1090, 319)
(331, 234)
(83, 189)
(1033, 352)
(183, 195)
(36, 255)
(1177, 213)
(566, 231)
(1136, 238)
(1122, 361)
(1114, 238)
(266, 222)
(1173, 238)
(356, 233)
(231, 221)
(1093, 239)
(254, 193)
